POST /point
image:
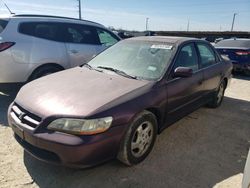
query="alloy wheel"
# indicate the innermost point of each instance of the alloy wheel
(142, 139)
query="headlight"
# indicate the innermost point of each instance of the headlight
(81, 126)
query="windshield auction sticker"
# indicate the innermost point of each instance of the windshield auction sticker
(161, 46)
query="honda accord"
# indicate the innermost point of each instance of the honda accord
(115, 105)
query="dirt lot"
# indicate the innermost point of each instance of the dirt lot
(208, 148)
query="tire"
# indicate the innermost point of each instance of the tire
(218, 96)
(44, 71)
(139, 139)
(247, 72)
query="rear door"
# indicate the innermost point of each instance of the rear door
(211, 65)
(82, 43)
(184, 92)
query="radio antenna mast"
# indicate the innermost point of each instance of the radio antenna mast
(8, 8)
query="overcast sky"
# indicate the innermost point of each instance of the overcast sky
(211, 15)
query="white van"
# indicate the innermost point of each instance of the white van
(32, 46)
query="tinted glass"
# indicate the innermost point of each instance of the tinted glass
(239, 43)
(50, 31)
(147, 60)
(207, 55)
(80, 34)
(187, 57)
(3, 24)
(106, 38)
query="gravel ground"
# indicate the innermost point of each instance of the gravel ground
(208, 148)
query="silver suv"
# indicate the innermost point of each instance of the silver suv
(32, 46)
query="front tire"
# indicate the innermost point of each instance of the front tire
(44, 71)
(139, 139)
(218, 96)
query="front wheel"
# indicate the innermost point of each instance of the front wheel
(44, 71)
(218, 96)
(139, 139)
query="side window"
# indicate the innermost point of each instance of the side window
(3, 24)
(187, 57)
(43, 30)
(106, 38)
(80, 34)
(207, 55)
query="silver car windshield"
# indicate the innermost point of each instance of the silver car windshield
(138, 59)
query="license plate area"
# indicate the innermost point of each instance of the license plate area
(18, 131)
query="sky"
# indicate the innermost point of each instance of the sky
(164, 15)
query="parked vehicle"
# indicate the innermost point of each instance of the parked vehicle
(218, 40)
(238, 51)
(115, 105)
(32, 46)
(246, 176)
(125, 35)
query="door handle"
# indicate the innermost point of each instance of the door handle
(74, 51)
(200, 82)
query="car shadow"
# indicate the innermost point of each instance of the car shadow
(7, 95)
(201, 150)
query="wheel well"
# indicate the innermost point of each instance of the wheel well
(158, 116)
(55, 65)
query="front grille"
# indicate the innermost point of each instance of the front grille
(25, 117)
(38, 152)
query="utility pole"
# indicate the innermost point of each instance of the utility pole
(188, 25)
(80, 9)
(147, 24)
(232, 28)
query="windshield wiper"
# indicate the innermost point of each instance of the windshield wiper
(90, 67)
(87, 65)
(122, 73)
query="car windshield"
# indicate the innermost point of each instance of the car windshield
(3, 24)
(137, 59)
(240, 43)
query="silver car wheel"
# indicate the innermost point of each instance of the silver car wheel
(142, 139)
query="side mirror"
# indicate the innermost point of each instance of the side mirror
(183, 72)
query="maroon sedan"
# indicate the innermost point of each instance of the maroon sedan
(114, 106)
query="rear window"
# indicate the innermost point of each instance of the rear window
(240, 43)
(3, 24)
(45, 30)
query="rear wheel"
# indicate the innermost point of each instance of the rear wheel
(218, 96)
(44, 71)
(139, 139)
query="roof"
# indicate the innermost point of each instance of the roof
(234, 43)
(167, 39)
(53, 17)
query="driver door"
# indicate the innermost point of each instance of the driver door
(183, 93)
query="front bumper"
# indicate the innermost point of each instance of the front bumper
(68, 150)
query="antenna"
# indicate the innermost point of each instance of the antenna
(8, 8)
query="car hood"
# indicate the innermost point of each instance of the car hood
(74, 92)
